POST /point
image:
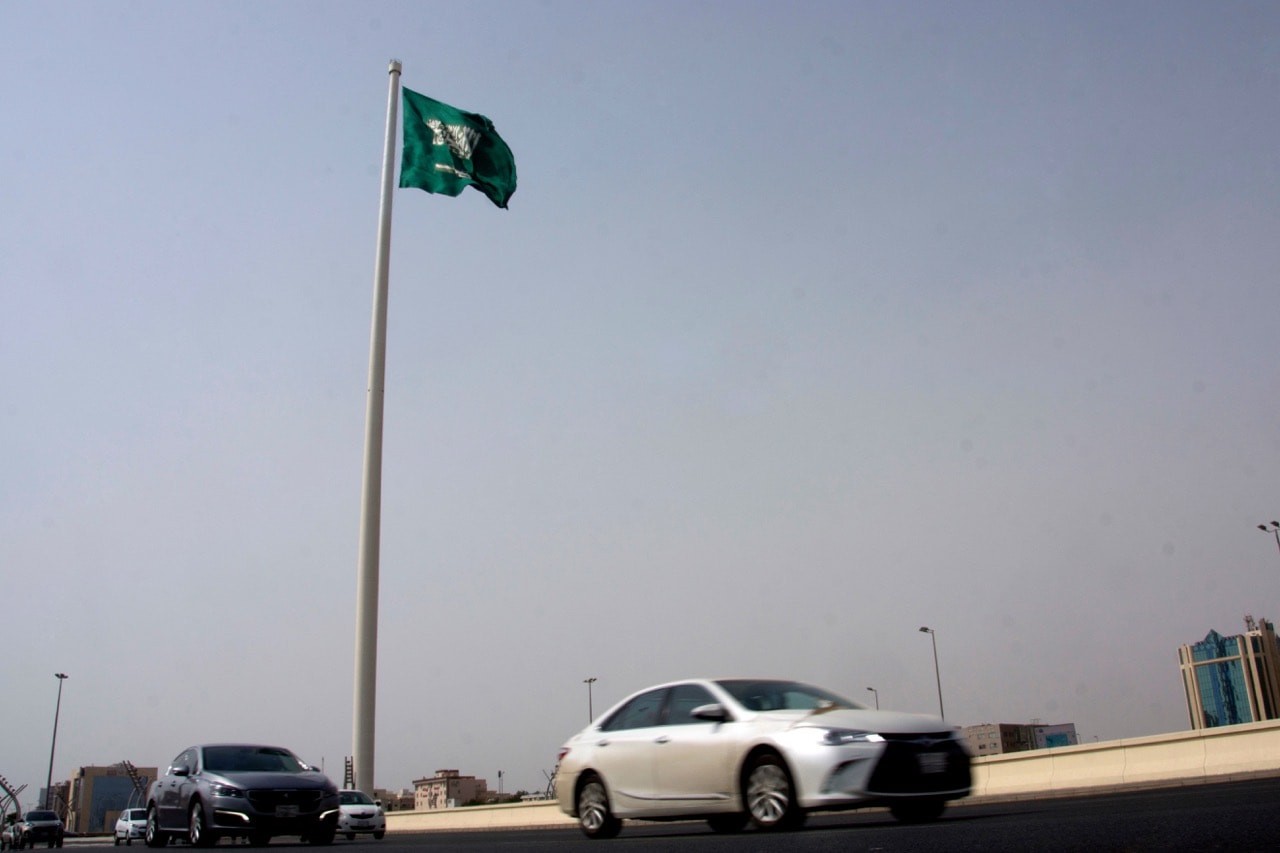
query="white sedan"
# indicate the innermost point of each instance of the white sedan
(763, 750)
(131, 824)
(360, 814)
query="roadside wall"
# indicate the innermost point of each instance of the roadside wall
(1179, 758)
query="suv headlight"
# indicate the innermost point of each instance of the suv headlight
(218, 790)
(838, 737)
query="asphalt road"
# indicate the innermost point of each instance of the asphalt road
(1230, 816)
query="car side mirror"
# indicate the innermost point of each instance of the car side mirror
(181, 770)
(713, 713)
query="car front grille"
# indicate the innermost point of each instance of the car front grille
(921, 764)
(267, 799)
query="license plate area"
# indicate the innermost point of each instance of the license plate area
(932, 762)
(286, 811)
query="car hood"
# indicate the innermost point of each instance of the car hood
(865, 719)
(304, 781)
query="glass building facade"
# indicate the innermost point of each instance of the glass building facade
(1232, 680)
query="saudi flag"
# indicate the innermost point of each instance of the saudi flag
(447, 150)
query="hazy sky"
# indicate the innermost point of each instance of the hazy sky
(809, 324)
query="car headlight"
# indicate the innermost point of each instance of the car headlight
(225, 791)
(838, 737)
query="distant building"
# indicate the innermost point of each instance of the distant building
(99, 794)
(448, 790)
(394, 801)
(1232, 680)
(999, 738)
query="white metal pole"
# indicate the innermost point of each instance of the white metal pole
(366, 677)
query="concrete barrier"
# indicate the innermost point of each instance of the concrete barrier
(1178, 758)
(1251, 749)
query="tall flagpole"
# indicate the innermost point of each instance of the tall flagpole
(366, 680)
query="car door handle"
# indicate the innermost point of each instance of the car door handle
(661, 739)
(602, 742)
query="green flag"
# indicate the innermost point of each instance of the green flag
(445, 150)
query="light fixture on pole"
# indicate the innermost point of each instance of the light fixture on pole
(48, 784)
(591, 714)
(877, 693)
(1274, 528)
(936, 672)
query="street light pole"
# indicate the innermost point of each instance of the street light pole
(936, 672)
(591, 714)
(48, 784)
(877, 693)
(1273, 528)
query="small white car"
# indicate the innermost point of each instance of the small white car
(131, 824)
(360, 814)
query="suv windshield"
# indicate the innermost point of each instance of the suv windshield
(41, 816)
(354, 798)
(250, 759)
(759, 695)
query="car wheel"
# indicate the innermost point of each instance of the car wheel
(770, 794)
(594, 816)
(322, 835)
(198, 834)
(259, 839)
(378, 835)
(155, 837)
(351, 836)
(918, 811)
(727, 823)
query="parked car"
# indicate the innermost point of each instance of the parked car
(243, 791)
(360, 813)
(131, 824)
(8, 837)
(39, 825)
(766, 751)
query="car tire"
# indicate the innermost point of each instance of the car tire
(259, 839)
(198, 832)
(351, 836)
(595, 818)
(918, 811)
(155, 836)
(379, 834)
(322, 835)
(769, 794)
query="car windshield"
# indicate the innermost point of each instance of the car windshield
(136, 814)
(354, 798)
(41, 816)
(758, 695)
(250, 759)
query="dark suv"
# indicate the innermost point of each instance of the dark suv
(240, 790)
(36, 826)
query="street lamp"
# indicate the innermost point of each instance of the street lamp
(877, 692)
(48, 784)
(1274, 527)
(591, 714)
(936, 673)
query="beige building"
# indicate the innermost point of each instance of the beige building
(447, 790)
(99, 794)
(999, 738)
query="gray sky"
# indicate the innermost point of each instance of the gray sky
(807, 326)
